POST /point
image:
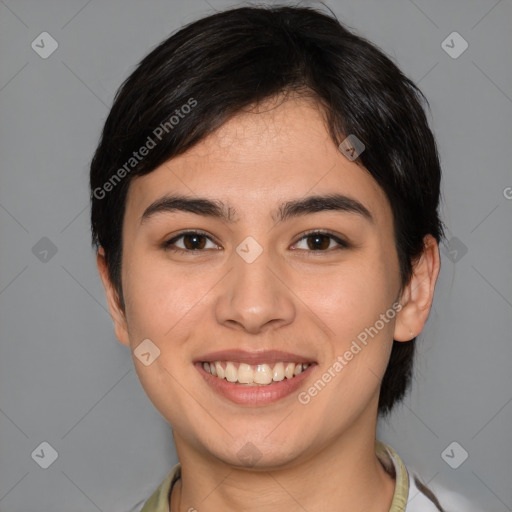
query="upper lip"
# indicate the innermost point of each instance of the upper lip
(260, 357)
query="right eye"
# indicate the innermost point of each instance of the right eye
(192, 241)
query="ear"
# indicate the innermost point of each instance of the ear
(417, 296)
(114, 305)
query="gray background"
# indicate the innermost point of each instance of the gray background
(66, 380)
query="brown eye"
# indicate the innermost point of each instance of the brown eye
(190, 241)
(194, 242)
(318, 241)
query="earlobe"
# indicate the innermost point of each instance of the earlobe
(114, 306)
(418, 295)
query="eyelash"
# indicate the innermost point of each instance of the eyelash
(342, 244)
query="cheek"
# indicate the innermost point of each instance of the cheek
(355, 296)
(164, 306)
(358, 308)
(158, 296)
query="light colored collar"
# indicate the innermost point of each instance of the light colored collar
(395, 467)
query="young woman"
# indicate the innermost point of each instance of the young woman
(265, 212)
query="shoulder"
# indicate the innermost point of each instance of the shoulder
(159, 500)
(421, 498)
(411, 493)
(446, 500)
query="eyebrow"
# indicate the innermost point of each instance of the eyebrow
(289, 209)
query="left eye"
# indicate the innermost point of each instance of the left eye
(321, 241)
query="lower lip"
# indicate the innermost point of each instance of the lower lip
(254, 395)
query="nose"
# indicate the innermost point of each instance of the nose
(252, 298)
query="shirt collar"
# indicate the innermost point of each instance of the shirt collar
(396, 468)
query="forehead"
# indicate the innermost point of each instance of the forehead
(259, 159)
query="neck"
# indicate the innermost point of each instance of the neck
(342, 477)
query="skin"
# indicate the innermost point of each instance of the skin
(314, 457)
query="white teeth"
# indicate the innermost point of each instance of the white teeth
(278, 373)
(220, 371)
(290, 368)
(261, 374)
(245, 374)
(231, 372)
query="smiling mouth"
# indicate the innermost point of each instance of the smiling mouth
(254, 374)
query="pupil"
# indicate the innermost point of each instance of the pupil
(193, 246)
(316, 238)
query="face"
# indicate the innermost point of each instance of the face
(266, 283)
